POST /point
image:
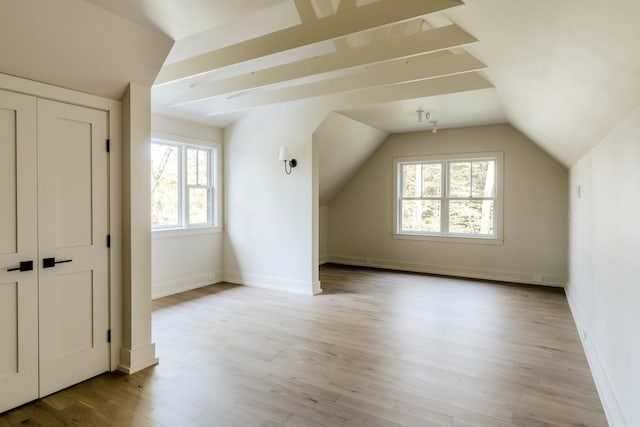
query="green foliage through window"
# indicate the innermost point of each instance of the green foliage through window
(181, 185)
(448, 197)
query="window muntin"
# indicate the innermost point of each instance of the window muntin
(455, 197)
(182, 185)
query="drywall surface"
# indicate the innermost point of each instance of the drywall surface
(77, 45)
(604, 286)
(344, 145)
(324, 233)
(183, 128)
(185, 260)
(270, 216)
(535, 212)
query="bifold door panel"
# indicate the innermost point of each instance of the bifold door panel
(18, 244)
(72, 224)
(53, 210)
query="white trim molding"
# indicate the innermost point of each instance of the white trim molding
(137, 359)
(172, 233)
(451, 270)
(164, 289)
(445, 198)
(610, 402)
(272, 282)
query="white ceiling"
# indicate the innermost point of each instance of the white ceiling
(184, 18)
(565, 73)
(348, 89)
(474, 108)
(76, 45)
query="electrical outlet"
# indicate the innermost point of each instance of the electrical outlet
(538, 279)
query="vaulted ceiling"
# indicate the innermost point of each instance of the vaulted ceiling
(351, 54)
(73, 44)
(564, 73)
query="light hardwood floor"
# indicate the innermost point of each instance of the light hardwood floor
(376, 349)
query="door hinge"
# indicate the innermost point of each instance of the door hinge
(108, 145)
(109, 335)
(108, 240)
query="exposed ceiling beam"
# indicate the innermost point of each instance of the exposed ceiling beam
(347, 20)
(413, 90)
(378, 51)
(386, 74)
(305, 10)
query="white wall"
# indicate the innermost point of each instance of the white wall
(604, 286)
(535, 212)
(270, 216)
(344, 145)
(185, 260)
(324, 233)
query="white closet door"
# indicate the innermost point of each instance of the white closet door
(18, 244)
(73, 228)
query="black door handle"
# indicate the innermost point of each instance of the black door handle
(51, 262)
(24, 266)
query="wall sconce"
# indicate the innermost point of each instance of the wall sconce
(286, 158)
(422, 115)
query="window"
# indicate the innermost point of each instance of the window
(452, 197)
(184, 185)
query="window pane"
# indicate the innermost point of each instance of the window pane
(483, 176)
(421, 215)
(192, 166)
(431, 180)
(409, 173)
(203, 167)
(198, 206)
(471, 216)
(164, 185)
(460, 179)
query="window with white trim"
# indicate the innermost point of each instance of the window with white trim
(184, 185)
(449, 196)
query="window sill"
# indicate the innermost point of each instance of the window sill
(170, 233)
(450, 239)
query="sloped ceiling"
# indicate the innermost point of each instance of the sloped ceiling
(566, 71)
(350, 53)
(76, 45)
(344, 145)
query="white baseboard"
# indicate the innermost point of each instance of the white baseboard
(450, 270)
(137, 359)
(159, 290)
(610, 403)
(317, 288)
(323, 259)
(272, 282)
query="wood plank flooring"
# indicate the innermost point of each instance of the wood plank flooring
(376, 349)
